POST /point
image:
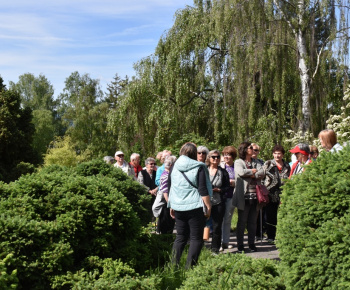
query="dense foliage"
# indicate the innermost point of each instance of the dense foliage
(314, 225)
(56, 221)
(234, 272)
(16, 131)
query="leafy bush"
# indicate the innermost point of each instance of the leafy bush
(234, 272)
(8, 279)
(53, 221)
(314, 225)
(133, 191)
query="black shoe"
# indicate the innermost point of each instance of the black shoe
(241, 249)
(253, 248)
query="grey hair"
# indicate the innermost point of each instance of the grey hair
(149, 159)
(108, 159)
(304, 147)
(134, 156)
(203, 149)
(169, 161)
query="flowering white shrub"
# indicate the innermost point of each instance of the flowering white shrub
(341, 123)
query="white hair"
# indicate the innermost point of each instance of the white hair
(169, 161)
(134, 156)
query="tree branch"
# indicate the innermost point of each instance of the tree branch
(285, 17)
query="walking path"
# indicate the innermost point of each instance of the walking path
(265, 250)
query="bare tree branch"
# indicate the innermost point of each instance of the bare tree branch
(285, 17)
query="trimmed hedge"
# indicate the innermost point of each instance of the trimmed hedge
(234, 271)
(55, 220)
(313, 234)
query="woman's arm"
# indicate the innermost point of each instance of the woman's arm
(241, 170)
(261, 172)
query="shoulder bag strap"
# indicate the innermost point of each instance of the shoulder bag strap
(188, 180)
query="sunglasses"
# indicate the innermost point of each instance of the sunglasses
(120, 155)
(215, 157)
(151, 163)
(256, 150)
(201, 153)
(250, 147)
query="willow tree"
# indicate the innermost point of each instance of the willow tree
(228, 70)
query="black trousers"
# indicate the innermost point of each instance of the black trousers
(248, 217)
(165, 222)
(271, 219)
(189, 225)
(217, 214)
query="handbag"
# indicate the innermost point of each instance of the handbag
(262, 194)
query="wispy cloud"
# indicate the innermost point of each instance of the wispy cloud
(102, 38)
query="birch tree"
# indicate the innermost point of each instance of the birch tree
(300, 15)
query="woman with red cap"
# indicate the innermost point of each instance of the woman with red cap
(302, 153)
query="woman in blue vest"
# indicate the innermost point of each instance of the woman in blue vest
(189, 200)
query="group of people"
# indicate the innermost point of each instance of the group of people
(203, 184)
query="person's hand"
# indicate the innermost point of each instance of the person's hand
(172, 213)
(216, 189)
(207, 215)
(232, 182)
(254, 170)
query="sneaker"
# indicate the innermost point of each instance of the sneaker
(224, 246)
(230, 246)
(253, 248)
(221, 249)
(240, 249)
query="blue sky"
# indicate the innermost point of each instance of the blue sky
(101, 38)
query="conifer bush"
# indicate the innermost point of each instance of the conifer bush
(234, 272)
(313, 234)
(53, 222)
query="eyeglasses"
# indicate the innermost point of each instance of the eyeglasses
(201, 153)
(215, 157)
(120, 155)
(151, 163)
(256, 150)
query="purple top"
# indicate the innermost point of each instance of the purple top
(163, 181)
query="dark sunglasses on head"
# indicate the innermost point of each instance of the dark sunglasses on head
(215, 157)
(200, 153)
(250, 147)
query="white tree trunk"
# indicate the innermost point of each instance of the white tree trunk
(302, 63)
(305, 82)
(303, 69)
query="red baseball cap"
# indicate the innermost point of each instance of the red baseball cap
(296, 149)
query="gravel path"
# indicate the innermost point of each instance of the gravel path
(264, 249)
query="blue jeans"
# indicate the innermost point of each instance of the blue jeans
(189, 225)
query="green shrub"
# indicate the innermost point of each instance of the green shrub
(233, 272)
(133, 191)
(53, 220)
(314, 225)
(8, 279)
